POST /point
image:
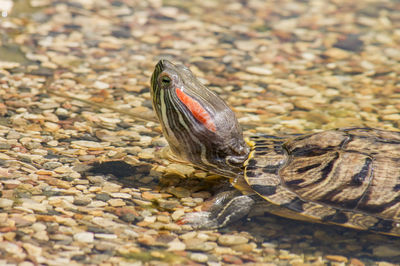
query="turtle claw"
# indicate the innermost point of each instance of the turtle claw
(199, 220)
(224, 211)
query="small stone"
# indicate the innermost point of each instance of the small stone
(258, 70)
(116, 202)
(356, 262)
(384, 263)
(128, 217)
(232, 259)
(101, 85)
(386, 251)
(111, 187)
(351, 42)
(176, 245)
(164, 218)
(9, 236)
(230, 240)
(42, 236)
(82, 201)
(63, 170)
(337, 53)
(26, 263)
(6, 203)
(33, 205)
(103, 197)
(106, 236)
(176, 215)
(97, 204)
(179, 170)
(62, 112)
(121, 195)
(38, 227)
(199, 257)
(336, 258)
(51, 165)
(244, 248)
(179, 192)
(13, 249)
(246, 45)
(92, 145)
(391, 117)
(11, 184)
(5, 146)
(196, 244)
(32, 250)
(150, 196)
(85, 158)
(44, 172)
(86, 237)
(52, 127)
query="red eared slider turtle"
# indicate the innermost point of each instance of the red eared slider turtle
(349, 177)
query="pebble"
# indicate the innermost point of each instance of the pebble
(32, 250)
(13, 249)
(176, 215)
(32, 205)
(120, 195)
(337, 258)
(105, 236)
(199, 257)
(86, 237)
(100, 85)
(199, 245)
(6, 203)
(116, 202)
(176, 246)
(179, 192)
(82, 201)
(51, 165)
(258, 70)
(38, 227)
(385, 251)
(179, 170)
(87, 144)
(230, 240)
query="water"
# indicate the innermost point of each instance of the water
(284, 67)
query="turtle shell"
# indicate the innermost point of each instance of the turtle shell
(349, 177)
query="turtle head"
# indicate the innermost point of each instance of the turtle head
(197, 123)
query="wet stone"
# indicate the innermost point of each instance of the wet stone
(199, 257)
(4, 146)
(386, 251)
(350, 42)
(81, 201)
(128, 217)
(281, 67)
(229, 240)
(6, 203)
(85, 237)
(199, 245)
(179, 192)
(51, 165)
(337, 258)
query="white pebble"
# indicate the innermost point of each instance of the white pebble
(85, 237)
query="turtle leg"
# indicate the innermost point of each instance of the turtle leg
(227, 207)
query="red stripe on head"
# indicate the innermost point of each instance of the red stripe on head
(196, 109)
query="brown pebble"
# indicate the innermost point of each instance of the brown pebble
(356, 262)
(337, 258)
(232, 259)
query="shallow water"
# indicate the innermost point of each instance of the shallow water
(284, 66)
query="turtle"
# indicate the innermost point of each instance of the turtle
(348, 177)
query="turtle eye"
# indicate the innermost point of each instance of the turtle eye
(165, 81)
